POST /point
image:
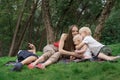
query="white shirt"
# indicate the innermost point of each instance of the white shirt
(93, 45)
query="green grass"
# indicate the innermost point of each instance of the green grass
(62, 71)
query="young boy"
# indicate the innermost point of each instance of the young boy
(25, 57)
(99, 50)
(84, 51)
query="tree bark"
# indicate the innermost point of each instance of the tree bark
(14, 40)
(22, 34)
(47, 21)
(42, 39)
(104, 15)
(27, 24)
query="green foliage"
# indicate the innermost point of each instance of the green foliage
(63, 14)
(115, 48)
(9, 12)
(8, 18)
(62, 71)
(111, 31)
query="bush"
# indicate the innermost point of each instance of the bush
(112, 28)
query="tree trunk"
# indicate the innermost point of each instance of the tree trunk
(22, 34)
(104, 15)
(27, 24)
(47, 21)
(42, 39)
(14, 40)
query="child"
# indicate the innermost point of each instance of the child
(99, 50)
(84, 51)
(25, 57)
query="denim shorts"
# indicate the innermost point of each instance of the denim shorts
(106, 50)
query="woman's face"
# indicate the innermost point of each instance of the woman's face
(74, 31)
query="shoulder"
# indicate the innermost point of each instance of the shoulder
(88, 37)
(63, 36)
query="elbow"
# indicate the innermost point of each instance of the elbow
(77, 47)
(61, 51)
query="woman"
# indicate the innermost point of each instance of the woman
(66, 45)
(50, 55)
(52, 52)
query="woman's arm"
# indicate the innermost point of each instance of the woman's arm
(61, 45)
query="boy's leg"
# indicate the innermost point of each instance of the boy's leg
(28, 60)
(18, 66)
(105, 57)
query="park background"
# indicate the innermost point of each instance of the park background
(42, 22)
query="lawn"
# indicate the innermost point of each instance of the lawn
(62, 71)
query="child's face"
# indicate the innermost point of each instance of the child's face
(30, 45)
(76, 41)
(83, 34)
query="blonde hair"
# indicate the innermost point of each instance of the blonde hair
(77, 37)
(85, 29)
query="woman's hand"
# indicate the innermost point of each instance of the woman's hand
(72, 58)
(77, 51)
(77, 55)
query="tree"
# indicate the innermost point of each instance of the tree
(47, 21)
(104, 15)
(16, 45)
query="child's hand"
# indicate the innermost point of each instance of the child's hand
(77, 55)
(77, 47)
(77, 51)
(72, 57)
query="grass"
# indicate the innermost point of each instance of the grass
(62, 71)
